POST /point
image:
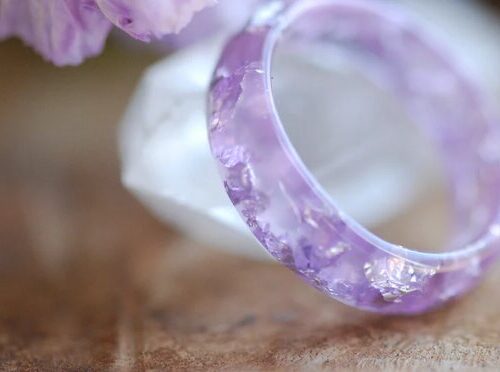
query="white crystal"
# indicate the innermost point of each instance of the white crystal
(166, 158)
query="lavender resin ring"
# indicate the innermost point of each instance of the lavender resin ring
(289, 212)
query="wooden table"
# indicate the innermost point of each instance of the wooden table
(89, 281)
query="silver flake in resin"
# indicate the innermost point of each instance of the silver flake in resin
(395, 278)
(336, 250)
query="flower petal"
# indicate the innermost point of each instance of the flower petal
(146, 19)
(64, 32)
(227, 17)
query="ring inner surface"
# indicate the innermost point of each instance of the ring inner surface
(387, 126)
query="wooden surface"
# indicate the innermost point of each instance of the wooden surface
(89, 281)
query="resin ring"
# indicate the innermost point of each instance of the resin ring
(289, 212)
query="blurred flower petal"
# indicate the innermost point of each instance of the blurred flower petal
(64, 32)
(146, 19)
(227, 17)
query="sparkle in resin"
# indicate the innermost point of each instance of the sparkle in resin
(394, 277)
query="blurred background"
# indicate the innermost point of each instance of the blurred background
(89, 280)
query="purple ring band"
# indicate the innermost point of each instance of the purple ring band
(289, 212)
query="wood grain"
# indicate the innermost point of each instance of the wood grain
(89, 281)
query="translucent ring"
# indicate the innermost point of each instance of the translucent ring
(290, 214)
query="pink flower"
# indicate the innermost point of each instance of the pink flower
(66, 32)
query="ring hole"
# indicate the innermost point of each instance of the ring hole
(360, 142)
